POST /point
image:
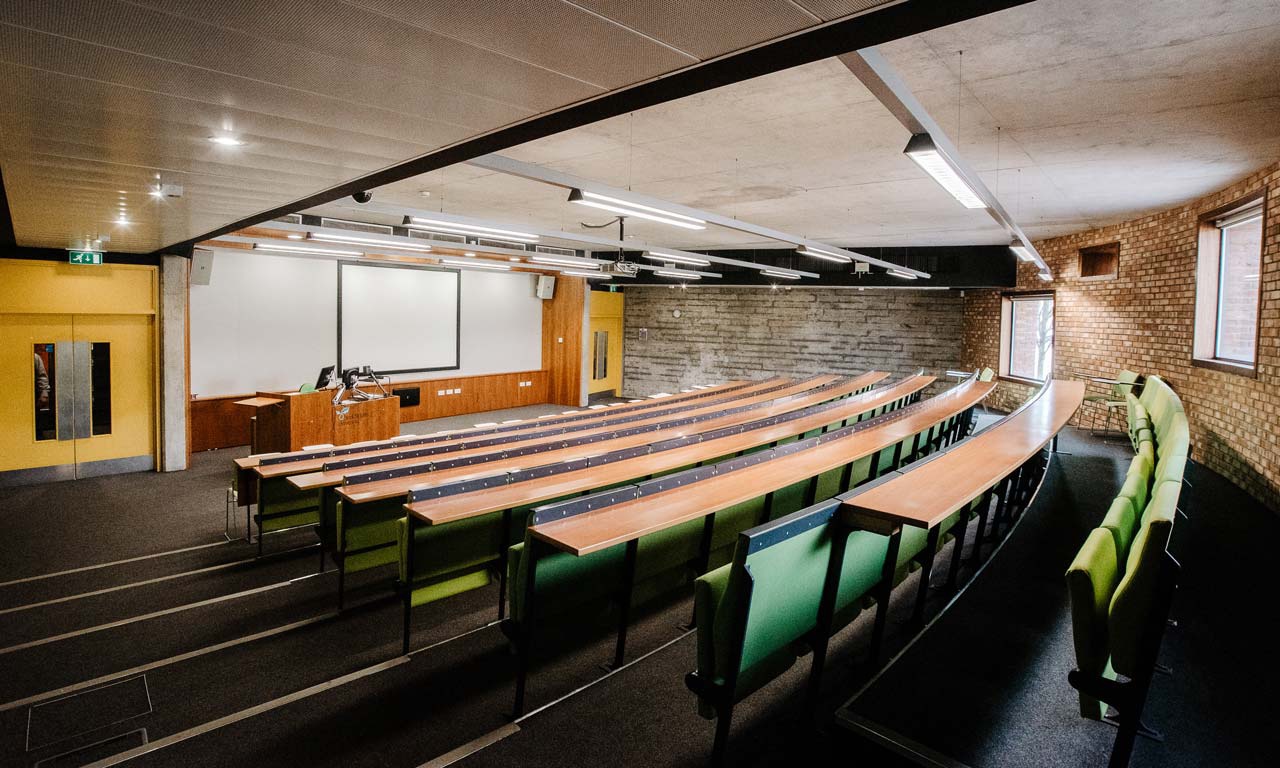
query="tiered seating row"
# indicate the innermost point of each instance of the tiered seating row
(358, 519)
(610, 542)
(1121, 582)
(472, 516)
(796, 581)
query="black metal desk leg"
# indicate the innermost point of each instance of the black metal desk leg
(704, 559)
(340, 555)
(884, 592)
(408, 580)
(525, 649)
(624, 606)
(926, 571)
(953, 573)
(504, 549)
(826, 613)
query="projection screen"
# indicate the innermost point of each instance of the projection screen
(398, 318)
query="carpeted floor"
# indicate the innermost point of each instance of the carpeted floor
(212, 634)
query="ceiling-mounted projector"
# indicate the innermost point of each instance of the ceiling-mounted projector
(627, 268)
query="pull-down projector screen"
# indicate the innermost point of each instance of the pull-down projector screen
(398, 318)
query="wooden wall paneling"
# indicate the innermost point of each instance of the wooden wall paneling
(217, 422)
(562, 340)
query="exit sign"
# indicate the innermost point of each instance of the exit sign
(84, 257)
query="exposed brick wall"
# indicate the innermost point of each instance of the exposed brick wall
(1144, 320)
(728, 333)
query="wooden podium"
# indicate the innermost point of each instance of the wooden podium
(290, 421)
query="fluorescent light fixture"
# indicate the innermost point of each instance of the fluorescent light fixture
(475, 264)
(680, 273)
(902, 274)
(588, 275)
(1020, 250)
(819, 253)
(157, 193)
(226, 141)
(626, 208)
(373, 242)
(295, 236)
(580, 264)
(286, 248)
(469, 253)
(516, 259)
(776, 273)
(674, 259)
(925, 153)
(1045, 276)
(453, 227)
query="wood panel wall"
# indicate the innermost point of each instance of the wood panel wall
(562, 340)
(216, 422)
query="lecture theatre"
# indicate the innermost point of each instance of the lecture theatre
(547, 383)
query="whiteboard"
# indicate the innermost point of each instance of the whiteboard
(269, 322)
(398, 318)
(262, 323)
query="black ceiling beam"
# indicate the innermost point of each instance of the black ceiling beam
(875, 27)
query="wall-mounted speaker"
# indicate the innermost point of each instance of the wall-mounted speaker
(201, 266)
(546, 287)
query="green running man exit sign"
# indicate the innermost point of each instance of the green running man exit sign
(84, 257)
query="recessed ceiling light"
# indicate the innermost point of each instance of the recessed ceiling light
(157, 193)
(226, 141)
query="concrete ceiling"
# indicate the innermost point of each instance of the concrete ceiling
(102, 99)
(1106, 111)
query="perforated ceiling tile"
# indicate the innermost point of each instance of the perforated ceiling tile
(595, 50)
(709, 28)
(828, 10)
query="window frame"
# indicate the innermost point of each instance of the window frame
(1007, 300)
(1205, 341)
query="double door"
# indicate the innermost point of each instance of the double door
(80, 396)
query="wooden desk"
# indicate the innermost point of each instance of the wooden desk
(630, 520)
(930, 492)
(467, 505)
(316, 459)
(260, 402)
(399, 486)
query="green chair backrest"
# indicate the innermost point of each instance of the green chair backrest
(306, 388)
(1137, 483)
(1122, 522)
(1132, 604)
(1176, 439)
(986, 375)
(1091, 584)
(1129, 378)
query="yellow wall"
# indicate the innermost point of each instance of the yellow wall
(606, 315)
(51, 287)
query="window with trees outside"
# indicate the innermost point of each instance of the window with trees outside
(1026, 344)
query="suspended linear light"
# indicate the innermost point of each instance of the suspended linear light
(1045, 276)
(325, 237)
(563, 262)
(925, 153)
(226, 141)
(674, 259)
(475, 264)
(588, 275)
(295, 235)
(285, 248)
(900, 273)
(1021, 251)
(625, 208)
(818, 253)
(453, 227)
(777, 273)
(681, 273)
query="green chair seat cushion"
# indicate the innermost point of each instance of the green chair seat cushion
(1134, 596)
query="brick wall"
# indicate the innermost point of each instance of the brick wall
(1144, 320)
(729, 333)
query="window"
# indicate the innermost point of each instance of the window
(1026, 336)
(1228, 272)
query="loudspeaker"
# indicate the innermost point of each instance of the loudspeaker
(546, 287)
(201, 266)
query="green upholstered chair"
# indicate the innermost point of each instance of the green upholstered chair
(1115, 400)
(1091, 584)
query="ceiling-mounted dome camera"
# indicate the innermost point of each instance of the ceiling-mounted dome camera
(362, 197)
